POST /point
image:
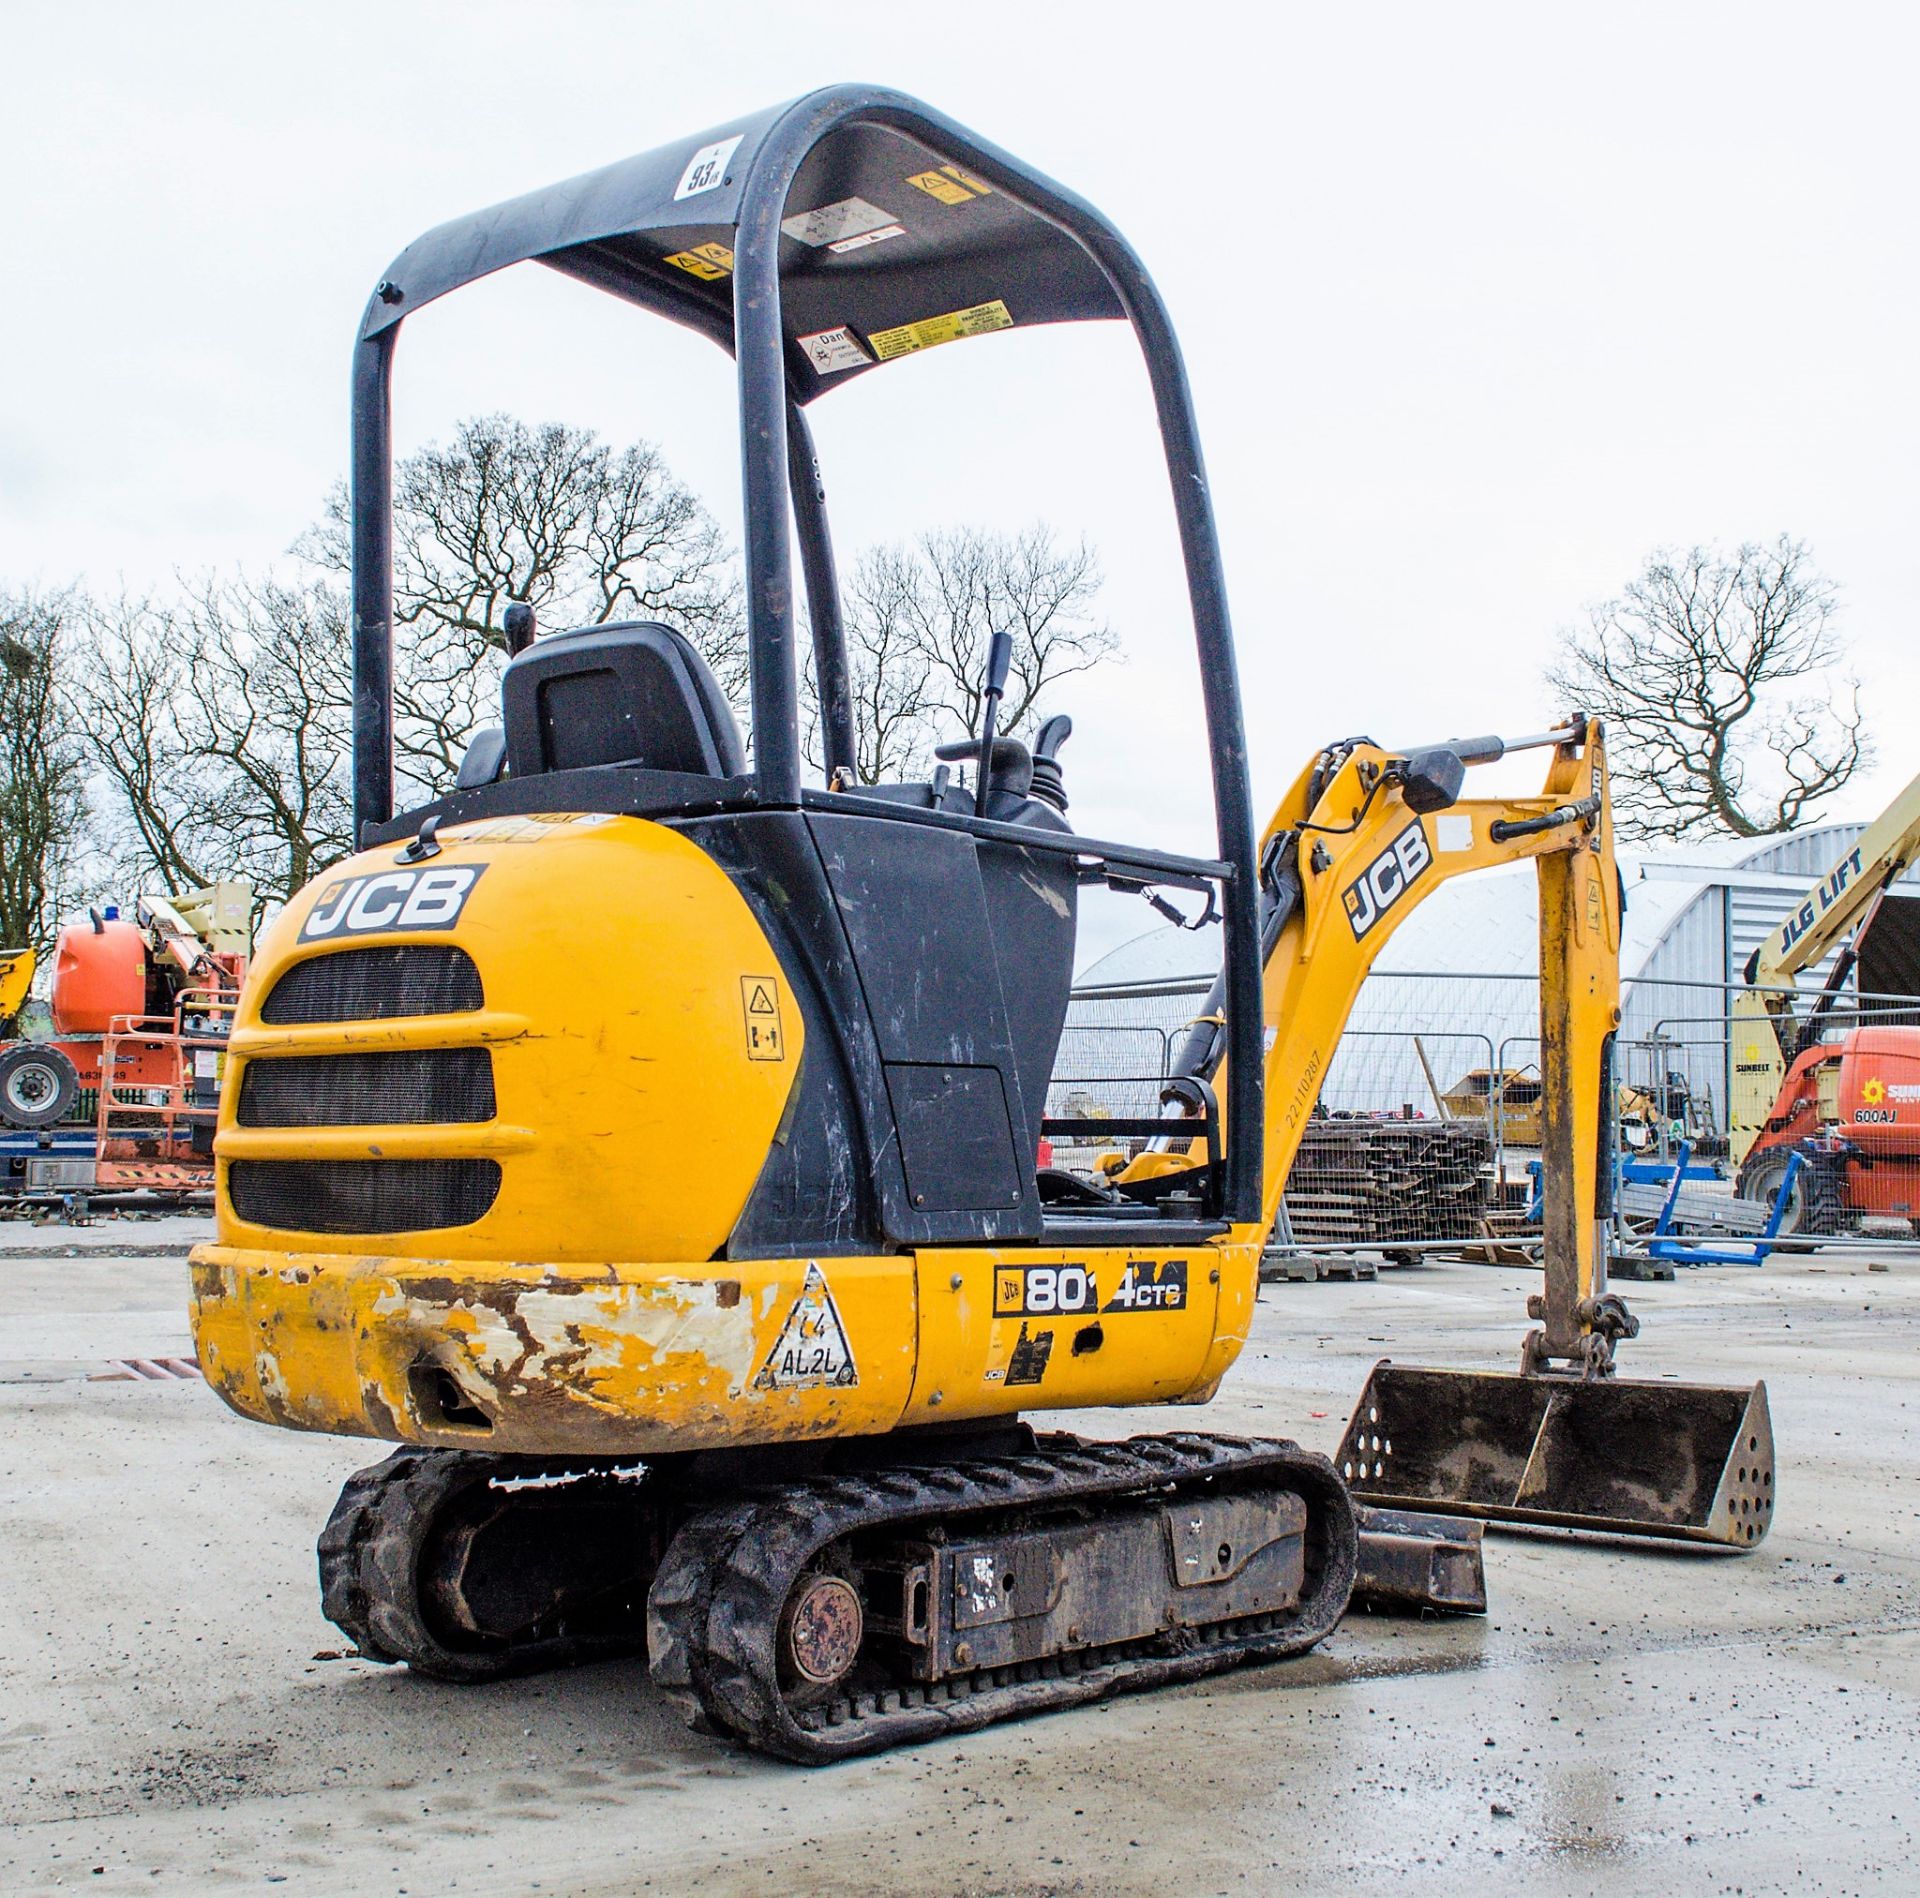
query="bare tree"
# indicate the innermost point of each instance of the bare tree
(551, 516)
(42, 768)
(221, 727)
(1719, 681)
(919, 621)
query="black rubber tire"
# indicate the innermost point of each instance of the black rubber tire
(37, 1085)
(1760, 1179)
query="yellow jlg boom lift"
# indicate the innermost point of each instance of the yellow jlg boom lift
(647, 1141)
(1836, 1099)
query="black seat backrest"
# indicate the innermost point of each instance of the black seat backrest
(630, 693)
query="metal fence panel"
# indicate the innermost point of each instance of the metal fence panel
(1427, 1129)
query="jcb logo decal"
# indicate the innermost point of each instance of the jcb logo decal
(1043, 1291)
(1385, 880)
(393, 899)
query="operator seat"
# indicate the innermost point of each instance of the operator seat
(631, 693)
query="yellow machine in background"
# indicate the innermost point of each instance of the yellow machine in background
(705, 1283)
(1826, 1099)
(16, 978)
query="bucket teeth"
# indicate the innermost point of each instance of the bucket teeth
(1693, 1462)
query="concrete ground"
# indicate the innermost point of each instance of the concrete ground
(174, 1714)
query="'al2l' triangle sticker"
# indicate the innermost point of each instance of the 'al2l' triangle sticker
(812, 1349)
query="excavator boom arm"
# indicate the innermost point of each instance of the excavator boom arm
(1348, 857)
(1364, 865)
(1358, 881)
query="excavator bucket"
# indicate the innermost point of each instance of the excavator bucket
(1562, 1442)
(1689, 1461)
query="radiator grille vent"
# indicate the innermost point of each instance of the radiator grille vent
(401, 1087)
(362, 1196)
(376, 984)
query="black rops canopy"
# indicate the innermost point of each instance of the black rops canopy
(819, 241)
(886, 246)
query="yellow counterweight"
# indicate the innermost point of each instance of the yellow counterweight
(643, 1042)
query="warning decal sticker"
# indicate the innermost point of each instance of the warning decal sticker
(707, 168)
(811, 1352)
(835, 223)
(524, 830)
(867, 237)
(932, 331)
(950, 185)
(760, 1004)
(708, 262)
(831, 351)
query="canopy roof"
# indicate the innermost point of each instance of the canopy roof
(888, 244)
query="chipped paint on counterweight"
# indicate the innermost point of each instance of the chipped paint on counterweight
(551, 1358)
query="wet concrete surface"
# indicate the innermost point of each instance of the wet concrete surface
(174, 1717)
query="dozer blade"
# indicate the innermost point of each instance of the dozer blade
(1418, 1564)
(1689, 1461)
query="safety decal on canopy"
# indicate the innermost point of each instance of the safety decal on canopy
(931, 331)
(837, 225)
(868, 237)
(950, 185)
(708, 262)
(707, 168)
(831, 351)
(811, 1352)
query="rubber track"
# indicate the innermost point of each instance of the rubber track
(370, 1554)
(715, 1608)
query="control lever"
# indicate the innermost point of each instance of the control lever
(1047, 783)
(999, 660)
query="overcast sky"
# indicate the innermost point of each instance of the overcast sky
(1480, 303)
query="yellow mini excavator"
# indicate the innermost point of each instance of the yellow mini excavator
(646, 1140)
